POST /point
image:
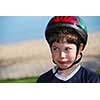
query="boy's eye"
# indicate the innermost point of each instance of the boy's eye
(67, 49)
(55, 49)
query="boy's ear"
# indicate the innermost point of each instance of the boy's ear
(80, 49)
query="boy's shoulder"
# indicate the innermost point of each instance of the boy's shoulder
(44, 78)
(89, 75)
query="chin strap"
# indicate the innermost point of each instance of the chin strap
(75, 62)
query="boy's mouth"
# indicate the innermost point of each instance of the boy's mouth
(62, 62)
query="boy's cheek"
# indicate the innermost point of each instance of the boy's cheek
(54, 56)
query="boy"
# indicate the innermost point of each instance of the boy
(67, 37)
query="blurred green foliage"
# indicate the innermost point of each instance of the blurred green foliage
(98, 72)
(21, 80)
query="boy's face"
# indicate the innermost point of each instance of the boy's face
(63, 54)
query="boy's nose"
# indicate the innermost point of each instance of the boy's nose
(62, 54)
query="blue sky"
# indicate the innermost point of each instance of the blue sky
(18, 28)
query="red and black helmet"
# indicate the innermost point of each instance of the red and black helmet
(74, 22)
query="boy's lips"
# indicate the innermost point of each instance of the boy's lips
(62, 62)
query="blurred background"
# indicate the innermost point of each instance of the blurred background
(25, 53)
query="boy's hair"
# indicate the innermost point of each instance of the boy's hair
(64, 35)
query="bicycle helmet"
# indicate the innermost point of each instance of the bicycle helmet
(74, 22)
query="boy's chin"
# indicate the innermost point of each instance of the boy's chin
(64, 67)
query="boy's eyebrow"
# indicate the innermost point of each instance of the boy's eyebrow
(54, 46)
(58, 46)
